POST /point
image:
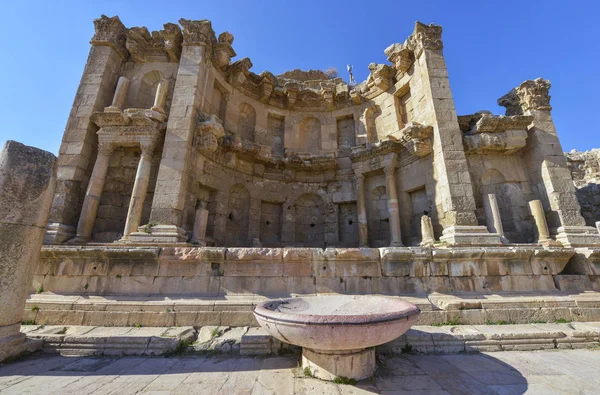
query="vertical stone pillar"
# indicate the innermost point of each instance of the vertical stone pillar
(140, 189)
(200, 223)
(392, 204)
(547, 165)
(161, 96)
(361, 207)
(95, 92)
(168, 207)
(27, 181)
(254, 222)
(537, 210)
(454, 201)
(492, 215)
(427, 235)
(120, 95)
(93, 194)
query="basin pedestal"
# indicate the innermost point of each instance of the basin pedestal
(329, 365)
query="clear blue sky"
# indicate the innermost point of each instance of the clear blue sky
(490, 47)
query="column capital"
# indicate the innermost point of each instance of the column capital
(106, 148)
(530, 95)
(359, 176)
(425, 37)
(110, 32)
(197, 32)
(390, 169)
(148, 147)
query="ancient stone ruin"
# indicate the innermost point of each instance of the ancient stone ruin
(183, 173)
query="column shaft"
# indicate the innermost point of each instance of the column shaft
(363, 236)
(537, 210)
(138, 195)
(390, 179)
(492, 214)
(93, 195)
(200, 223)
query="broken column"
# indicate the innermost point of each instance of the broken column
(27, 182)
(140, 190)
(200, 222)
(492, 215)
(161, 96)
(119, 96)
(427, 235)
(537, 210)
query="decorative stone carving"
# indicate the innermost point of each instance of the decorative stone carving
(381, 76)
(362, 153)
(400, 55)
(355, 96)
(415, 137)
(487, 133)
(172, 41)
(267, 85)
(291, 91)
(425, 37)
(300, 160)
(223, 50)
(197, 32)
(427, 235)
(327, 93)
(530, 95)
(237, 72)
(143, 46)
(110, 32)
(208, 132)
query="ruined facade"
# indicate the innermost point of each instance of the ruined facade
(172, 141)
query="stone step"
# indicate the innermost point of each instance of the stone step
(236, 310)
(94, 340)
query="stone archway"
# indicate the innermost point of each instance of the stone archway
(310, 213)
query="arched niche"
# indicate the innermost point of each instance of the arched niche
(378, 222)
(372, 123)
(247, 122)
(238, 217)
(514, 210)
(147, 89)
(309, 221)
(309, 139)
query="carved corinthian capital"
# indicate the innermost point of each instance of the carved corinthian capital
(530, 95)
(197, 32)
(110, 32)
(425, 37)
(223, 51)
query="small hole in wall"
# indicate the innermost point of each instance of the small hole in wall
(94, 268)
(386, 220)
(312, 225)
(545, 267)
(230, 216)
(268, 222)
(289, 207)
(350, 222)
(324, 267)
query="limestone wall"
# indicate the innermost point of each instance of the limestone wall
(585, 170)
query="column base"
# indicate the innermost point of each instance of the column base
(470, 236)
(350, 364)
(578, 236)
(57, 233)
(160, 234)
(396, 244)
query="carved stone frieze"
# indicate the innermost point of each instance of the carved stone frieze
(400, 56)
(238, 71)
(172, 41)
(209, 129)
(308, 161)
(110, 32)
(530, 95)
(267, 85)
(487, 133)
(143, 46)
(381, 77)
(197, 32)
(362, 153)
(223, 50)
(425, 37)
(416, 138)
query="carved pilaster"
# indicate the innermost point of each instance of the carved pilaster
(223, 51)
(530, 95)
(173, 39)
(425, 37)
(197, 32)
(110, 32)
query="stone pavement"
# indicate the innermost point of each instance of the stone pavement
(535, 372)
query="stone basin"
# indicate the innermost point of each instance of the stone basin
(337, 333)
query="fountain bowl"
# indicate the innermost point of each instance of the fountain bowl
(338, 333)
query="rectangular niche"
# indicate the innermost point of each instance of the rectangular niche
(346, 136)
(270, 224)
(276, 126)
(218, 101)
(404, 107)
(348, 224)
(420, 204)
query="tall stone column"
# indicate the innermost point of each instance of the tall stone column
(119, 96)
(93, 194)
(547, 165)
(454, 200)
(168, 207)
(27, 181)
(200, 223)
(95, 92)
(537, 210)
(392, 204)
(361, 207)
(161, 96)
(140, 190)
(492, 215)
